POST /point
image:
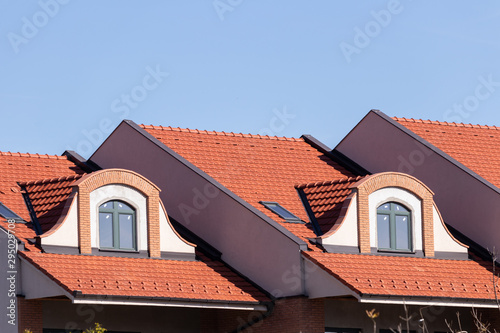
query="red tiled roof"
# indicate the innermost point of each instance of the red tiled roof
(326, 199)
(405, 276)
(23, 231)
(116, 276)
(48, 197)
(474, 146)
(17, 167)
(256, 168)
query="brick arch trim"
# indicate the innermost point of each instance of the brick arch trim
(377, 181)
(100, 178)
(95, 180)
(393, 179)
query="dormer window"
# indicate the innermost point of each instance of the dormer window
(394, 227)
(117, 226)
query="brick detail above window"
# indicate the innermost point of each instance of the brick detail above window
(372, 183)
(92, 181)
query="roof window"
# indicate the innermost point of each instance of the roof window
(8, 214)
(280, 211)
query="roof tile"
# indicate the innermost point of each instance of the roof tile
(409, 276)
(115, 276)
(475, 146)
(248, 165)
(17, 167)
(326, 199)
(48, 198)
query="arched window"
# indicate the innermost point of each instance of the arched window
(394, 227)
(117, 226)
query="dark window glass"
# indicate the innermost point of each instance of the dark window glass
(279, 210)
(126, 223)
(402, 232)
(8, 214)
(117, 226)
(394, 229)
(383, 231)
(106, 229)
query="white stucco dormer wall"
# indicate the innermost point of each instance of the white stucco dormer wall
(170, 241)
(404, 197)
(347, 232)
(129, 195)
(65, 232)
(443, 241)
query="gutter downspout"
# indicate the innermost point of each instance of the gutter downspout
(270, 309)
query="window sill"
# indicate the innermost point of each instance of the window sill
(118, 250)
(395, 251)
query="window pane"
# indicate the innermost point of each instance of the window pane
(402, 233)
(386, 206)
(281, 211)
(399, 208)
(106, 229)
(126, 231)
(383, 231)
(122, 206)
(107, 205)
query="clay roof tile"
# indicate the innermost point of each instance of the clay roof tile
(475, 146)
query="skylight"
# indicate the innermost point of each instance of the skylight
(280, 211)
(8, 214)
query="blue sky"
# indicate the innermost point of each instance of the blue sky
(71, 70)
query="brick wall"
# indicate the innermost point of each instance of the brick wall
(101, 178)
(491, 317)
(372, 183)
(295, 314)
(29, 315)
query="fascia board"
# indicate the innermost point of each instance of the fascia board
(166, 302)
(428, 301)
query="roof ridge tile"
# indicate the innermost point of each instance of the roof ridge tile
(31, 155)
(445, 123)
(222, 133)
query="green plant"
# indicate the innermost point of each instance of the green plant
(372, 315)
(96, 329)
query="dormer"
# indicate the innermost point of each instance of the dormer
(387, 213)
(115, 212)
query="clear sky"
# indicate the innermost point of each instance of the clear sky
(71, 70)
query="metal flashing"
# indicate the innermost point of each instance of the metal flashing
(336, 156)
(57, 249)
(178, 256)
(451, 255)
(34, 220)
(310, 213)
(341, 249)
(85, 165)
